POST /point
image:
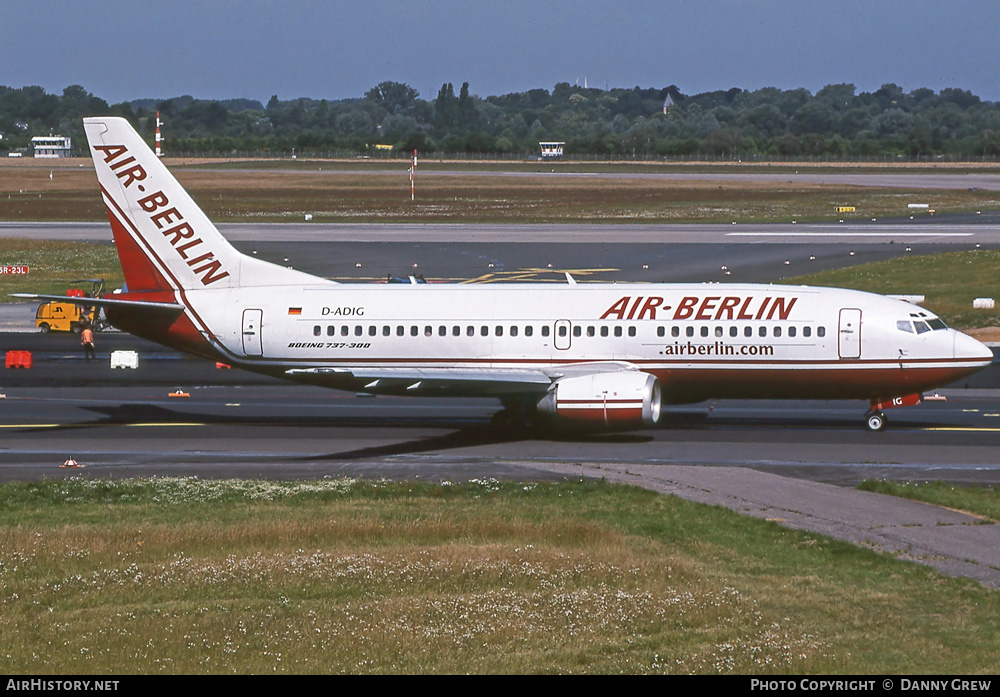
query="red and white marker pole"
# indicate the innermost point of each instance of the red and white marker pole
(159, 139)
(413, 169)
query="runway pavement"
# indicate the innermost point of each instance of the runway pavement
(947, 229)
(654, 253)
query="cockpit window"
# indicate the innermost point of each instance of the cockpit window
(937, 324)
(921, 327)
(904, 326)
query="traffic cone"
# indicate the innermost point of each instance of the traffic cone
(71, 463)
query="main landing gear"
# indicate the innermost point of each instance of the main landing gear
(516, 420)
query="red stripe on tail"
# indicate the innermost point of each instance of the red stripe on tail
(140, 274)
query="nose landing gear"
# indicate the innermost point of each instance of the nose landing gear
(875, 418)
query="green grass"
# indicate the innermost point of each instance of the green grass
(53, 266)
(981, 501)
(949, 281)
(189, 576)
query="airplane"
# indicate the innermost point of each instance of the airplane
(592, 354)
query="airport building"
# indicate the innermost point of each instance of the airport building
(51, 146)
(552, 149)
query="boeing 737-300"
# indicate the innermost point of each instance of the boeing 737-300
(607, 354)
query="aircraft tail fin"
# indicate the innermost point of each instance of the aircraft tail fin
(164, 239)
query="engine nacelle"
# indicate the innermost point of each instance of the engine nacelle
(617, 399)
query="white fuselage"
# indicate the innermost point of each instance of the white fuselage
(699, 340)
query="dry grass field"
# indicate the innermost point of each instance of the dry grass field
(272, 192)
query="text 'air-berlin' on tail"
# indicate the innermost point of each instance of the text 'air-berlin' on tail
(166, 241)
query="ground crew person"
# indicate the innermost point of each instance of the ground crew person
(87, 339)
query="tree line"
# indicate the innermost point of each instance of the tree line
(835, 122)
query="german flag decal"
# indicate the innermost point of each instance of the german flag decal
(295, 310)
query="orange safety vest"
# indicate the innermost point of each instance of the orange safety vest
(86, 337)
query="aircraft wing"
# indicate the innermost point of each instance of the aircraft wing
(457, 381)
(472, 381)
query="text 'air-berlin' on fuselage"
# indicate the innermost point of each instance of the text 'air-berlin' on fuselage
(712, 307)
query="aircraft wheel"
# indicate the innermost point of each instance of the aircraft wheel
(875, 421)
(44, 328)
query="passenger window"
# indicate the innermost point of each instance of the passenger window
(562, 331)
(358, 330)
(317, 330)
(513, 331)
(373, 330)
(470, 331)
(631, 331)
(400, 330)
(442, 330)
(428, 330)
(904, 326)
(733, 331)
(777, 331)
(456, 331)
(807, 331)
(675, 331)
(604, 331)
(528, 331)
(704, 331)
(747, 331)
(689, 331)
(578, 330)
(386, 330)
(791, 331)
(413, 330)
(762, 331)
(718, 331)
(820, 331)
(343, 330)
(484, 330)
(545, 330)
(618, 330)
(592, 332)
(499, 330)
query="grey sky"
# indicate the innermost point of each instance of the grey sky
(129, 49)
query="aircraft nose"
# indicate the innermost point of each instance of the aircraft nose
(970, 349)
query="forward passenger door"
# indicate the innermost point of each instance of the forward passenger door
(850, 333)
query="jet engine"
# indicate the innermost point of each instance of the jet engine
(617, 399)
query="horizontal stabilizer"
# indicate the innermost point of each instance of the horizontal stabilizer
(103, 302)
